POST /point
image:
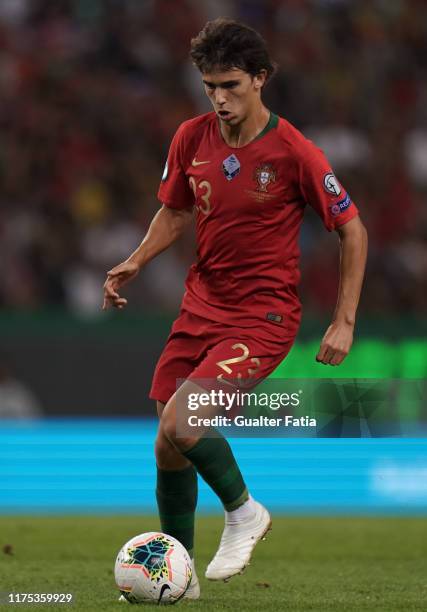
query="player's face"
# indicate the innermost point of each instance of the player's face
(234, 93)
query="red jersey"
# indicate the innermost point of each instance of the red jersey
(250, 204)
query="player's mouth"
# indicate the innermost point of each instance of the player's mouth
(225, 115)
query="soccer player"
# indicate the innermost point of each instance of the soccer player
(248, 175)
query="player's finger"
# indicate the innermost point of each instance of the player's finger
(330, 354)
(322, 352)
(120, 302)
(325, 355)
(109, 290)
(114, 273)
(338, 357)
(108, 301)
(331, 357)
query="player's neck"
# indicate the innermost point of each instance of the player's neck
(237, 136)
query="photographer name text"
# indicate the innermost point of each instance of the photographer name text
(242, 421)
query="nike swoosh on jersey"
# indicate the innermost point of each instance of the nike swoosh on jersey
(199, 163)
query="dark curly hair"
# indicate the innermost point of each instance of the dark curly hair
(225, 44)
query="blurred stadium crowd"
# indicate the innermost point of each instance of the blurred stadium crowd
(91, 92)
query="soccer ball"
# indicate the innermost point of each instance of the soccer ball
(153, 568)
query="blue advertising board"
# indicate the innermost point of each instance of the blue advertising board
(107, 466)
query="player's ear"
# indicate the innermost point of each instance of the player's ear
(260, 79)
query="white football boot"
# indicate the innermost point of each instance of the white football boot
(237, 544)
(193, 591)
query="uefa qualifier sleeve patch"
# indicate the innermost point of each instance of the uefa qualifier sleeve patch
(341, 206)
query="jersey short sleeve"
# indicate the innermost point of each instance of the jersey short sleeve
(174, 190)
(322, 190)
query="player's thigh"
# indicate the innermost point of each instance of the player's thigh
(160, 406)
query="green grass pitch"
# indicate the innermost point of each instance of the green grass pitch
(317, 564)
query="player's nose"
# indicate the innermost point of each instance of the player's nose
(220, 97)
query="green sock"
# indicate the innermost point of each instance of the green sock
(176, 494)
(215, 462)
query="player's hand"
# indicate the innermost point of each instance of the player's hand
(116, 278)
(336, 343)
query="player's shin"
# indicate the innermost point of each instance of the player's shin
(215, 462)
(176, 494)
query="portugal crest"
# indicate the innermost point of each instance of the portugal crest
(264, 175)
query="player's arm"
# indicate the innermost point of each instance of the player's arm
(338, 338)
(166, 227)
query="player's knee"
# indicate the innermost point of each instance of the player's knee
(167, 456)
(169, 430)
(162, 450)
(168, 427)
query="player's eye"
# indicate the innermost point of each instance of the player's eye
(230, 85)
